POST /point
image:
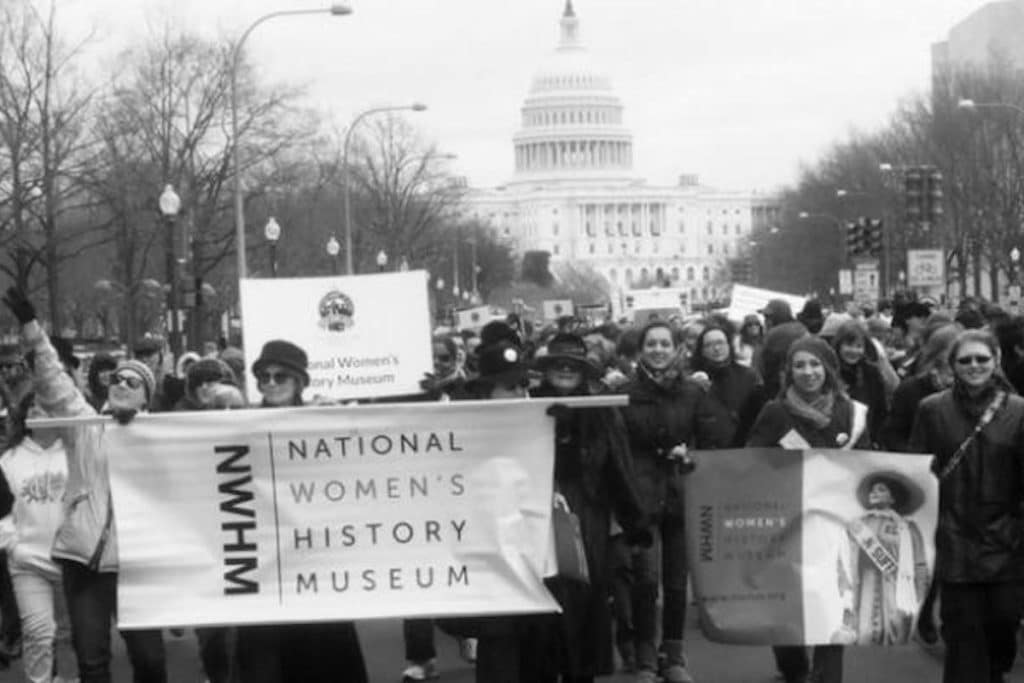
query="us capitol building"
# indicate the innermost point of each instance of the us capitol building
(574, 193)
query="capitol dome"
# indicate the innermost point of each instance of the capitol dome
(571, 126)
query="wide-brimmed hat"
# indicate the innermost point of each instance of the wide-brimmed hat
(568, 348)
(906, 494)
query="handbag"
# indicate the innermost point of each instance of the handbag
(570, 553)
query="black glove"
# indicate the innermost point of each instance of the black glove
(559, 411)
(125, 416)
(20, 306)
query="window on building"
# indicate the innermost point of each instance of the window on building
(629, 276)
(654, 247)
(610, 248)
(613, 275)
(655, 230)
(636, 248)
(636, 229)
(644, 274)
(554, 250)
(625, 248)
(675, 274)
(725, 249)
(704, 294)
(707, 275)
(682, 228)
(690, 273)
(711, 228)
(593, 248)
(608, 229)
(738, 229)
(508, 231)
(711, 249)
(725, 229)
(622, 228)
(693, 294)
(554, 229)
(589, 228)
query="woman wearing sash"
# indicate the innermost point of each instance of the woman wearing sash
(975, 430)
(812, 411)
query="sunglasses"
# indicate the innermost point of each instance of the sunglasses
(275, 377)
(443, 358)
(978, 360)
(132, 381)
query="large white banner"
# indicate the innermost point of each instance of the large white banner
(292, 515)
(747, 300)
(366, 335)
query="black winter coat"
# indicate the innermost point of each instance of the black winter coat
(864, 383)
(895, 434)
(594, 471)
(659, 417)
(979, 533)
(736, 397)
(775, 421)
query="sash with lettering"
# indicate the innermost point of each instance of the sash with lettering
(297, 515)
(808, 547)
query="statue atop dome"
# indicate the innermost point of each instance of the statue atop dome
(570, 28)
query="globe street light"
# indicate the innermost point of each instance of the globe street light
(170, 205)
(337, 9)
(971, 104)
(415, 106)
(382, 261)
(333, 249)
(272, 232)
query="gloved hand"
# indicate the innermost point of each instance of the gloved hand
(125, 416)
(19, 304)
(640, 537)
(702, 380)
(558, 411)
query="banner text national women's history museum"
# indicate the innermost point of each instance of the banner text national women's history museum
(403, 510)
(791, 547)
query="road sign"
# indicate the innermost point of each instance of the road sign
(926, 268)
(845, 281)
(866, 282)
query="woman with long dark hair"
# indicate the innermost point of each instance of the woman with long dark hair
(667, 415)
(861, 376)
(735, 392)
(813, 404)
(975, 429)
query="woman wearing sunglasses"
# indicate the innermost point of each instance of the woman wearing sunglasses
(299, 653)
(85, 546)
(975, 429)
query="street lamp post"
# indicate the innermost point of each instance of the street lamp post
(170, 205)
(272, 232)
(415, 106)
(382, 261)
(971, 104)
(1014, 280)
(337, 9)
(333, 249)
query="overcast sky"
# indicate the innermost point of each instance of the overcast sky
(736, 91)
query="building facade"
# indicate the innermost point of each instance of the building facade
(574, 192)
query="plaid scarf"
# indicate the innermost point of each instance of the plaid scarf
(818, 412)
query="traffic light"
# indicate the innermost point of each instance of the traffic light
(913, 193)
(933, 196)
(741, 270)
(874, 237)
(855, 238)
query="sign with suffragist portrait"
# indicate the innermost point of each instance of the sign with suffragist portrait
(810, 547)
(366, 336)
(326, 513)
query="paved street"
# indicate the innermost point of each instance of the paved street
(382, 642)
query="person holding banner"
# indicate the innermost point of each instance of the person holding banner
(594, 475)
(811, 411)
(294, 653)
(667, 414)
(975, 429)
(86, 542)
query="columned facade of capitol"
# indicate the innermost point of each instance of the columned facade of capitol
(574, 192)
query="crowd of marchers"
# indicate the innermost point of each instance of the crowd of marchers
(903, 379)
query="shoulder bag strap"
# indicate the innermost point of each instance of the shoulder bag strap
(986, 417)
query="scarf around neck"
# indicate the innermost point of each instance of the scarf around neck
(818, 412)
(664, 379)
(975, 405)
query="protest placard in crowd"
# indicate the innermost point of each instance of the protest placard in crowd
(794, 547)
(366, 335)
(310, 514)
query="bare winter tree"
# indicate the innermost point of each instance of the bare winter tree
(43, 143)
